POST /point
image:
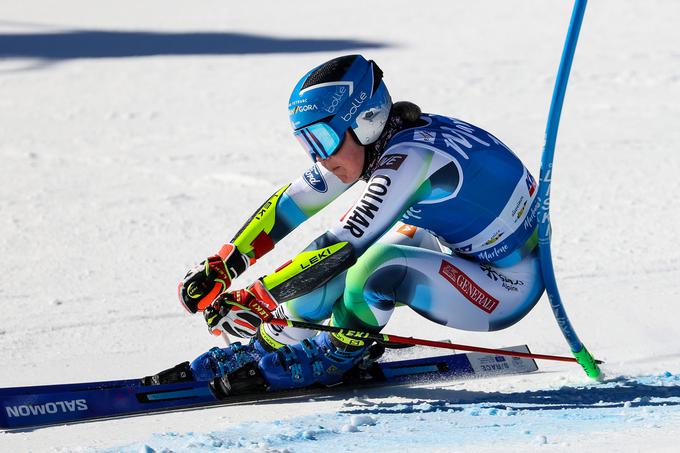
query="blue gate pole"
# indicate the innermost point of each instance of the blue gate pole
(577, 348)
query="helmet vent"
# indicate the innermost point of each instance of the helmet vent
(331, 71)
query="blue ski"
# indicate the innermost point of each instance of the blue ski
(39, 406)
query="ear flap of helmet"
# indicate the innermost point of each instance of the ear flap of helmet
(371, 121)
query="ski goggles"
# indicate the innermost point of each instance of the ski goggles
(319, 140)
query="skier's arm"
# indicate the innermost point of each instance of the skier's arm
(278, 216)
(400, 182)
(287, 209)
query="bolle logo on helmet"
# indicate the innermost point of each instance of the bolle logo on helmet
(356, 103)
(336, 98)
(315, 180)
(302, 108)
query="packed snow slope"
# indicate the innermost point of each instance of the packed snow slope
(136, 137)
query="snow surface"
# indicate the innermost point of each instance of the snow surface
(136, 137)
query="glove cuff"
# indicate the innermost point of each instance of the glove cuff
(235, 262)
(262, 303)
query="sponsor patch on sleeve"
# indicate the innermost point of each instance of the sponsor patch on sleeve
(531, 183)
(407, 230)
(391, 161)
(315, 180)
(424, 136)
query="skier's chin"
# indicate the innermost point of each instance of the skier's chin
(347, 179)
(344, 176)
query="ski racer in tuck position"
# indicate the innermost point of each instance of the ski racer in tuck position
(446, 225)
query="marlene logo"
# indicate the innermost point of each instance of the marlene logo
(467, 287)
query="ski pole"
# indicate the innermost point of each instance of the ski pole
(583, 356)
(387, 338)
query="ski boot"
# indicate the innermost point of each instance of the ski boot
(219, 361)
(212, 364)
(323, 360)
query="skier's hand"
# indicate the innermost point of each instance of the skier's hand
(212, 277)
(240, 312)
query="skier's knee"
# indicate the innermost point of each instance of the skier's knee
(368, 300)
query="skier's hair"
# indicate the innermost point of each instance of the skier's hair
(403, 115)
(407, 111)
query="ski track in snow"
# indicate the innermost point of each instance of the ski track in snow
(121, 165)
(464, 420)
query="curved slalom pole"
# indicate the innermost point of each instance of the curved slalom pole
(583, 357)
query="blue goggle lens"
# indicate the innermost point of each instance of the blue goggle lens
(319, 140)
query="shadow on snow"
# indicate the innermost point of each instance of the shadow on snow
(609, 394)
(116, 44)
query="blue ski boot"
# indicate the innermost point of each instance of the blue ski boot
(213, 364)
(323, 360)
(218, 362)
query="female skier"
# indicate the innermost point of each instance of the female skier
(446, 225)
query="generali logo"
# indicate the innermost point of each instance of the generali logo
(467, 287)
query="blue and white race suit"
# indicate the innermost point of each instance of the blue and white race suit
(445, 225)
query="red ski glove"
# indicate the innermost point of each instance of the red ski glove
(212, 277)
(240, 312)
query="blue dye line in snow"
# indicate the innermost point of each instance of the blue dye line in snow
(460, 419)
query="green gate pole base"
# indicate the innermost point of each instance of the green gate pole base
(586, 360)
